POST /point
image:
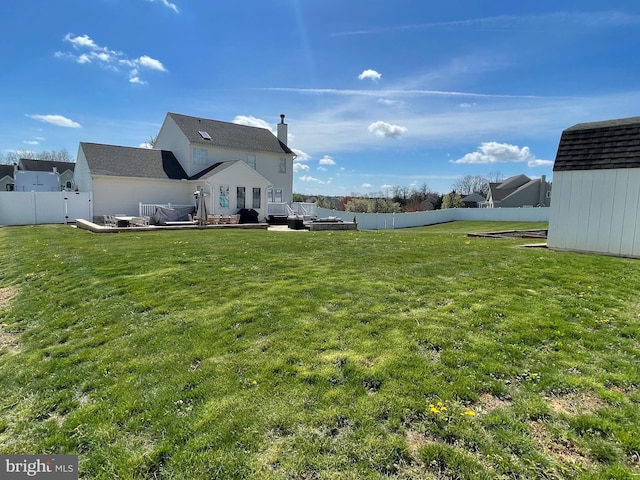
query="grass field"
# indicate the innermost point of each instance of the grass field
(417, 353)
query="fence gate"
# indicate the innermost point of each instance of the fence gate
(33, 208)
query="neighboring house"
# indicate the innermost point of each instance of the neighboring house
(63, 169)
(237, 167)
(596, 180)
(472, 200)
(7, 184)
(519, 191)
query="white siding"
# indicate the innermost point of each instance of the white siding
(236, 175)
(113, 195)
(171, 138)
(596, 211)
(81, 175)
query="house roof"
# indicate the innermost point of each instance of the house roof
(45, 165)
(229, 135)
(600, 145)
(474, 197)
(132, 162)
(6, 171)
(500, 191)
(213, 169)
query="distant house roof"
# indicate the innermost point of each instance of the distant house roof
(500, 191)
(45, 165)
(229, 135)
(6, 171)
(473, 197)
(132, 162)
(600, 145)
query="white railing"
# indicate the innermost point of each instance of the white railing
(148, 209)
(305, 209)
(278, 209)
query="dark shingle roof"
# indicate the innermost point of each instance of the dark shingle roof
(6, 171)
(229, 135)
(46, 165)
(132, 162)
(600, 145)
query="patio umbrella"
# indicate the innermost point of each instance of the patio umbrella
(201, 208)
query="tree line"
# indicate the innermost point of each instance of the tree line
(50, 155)
(402, 199)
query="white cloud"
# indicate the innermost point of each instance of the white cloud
(389, 102)
(109, 59)
(371, 74)
(327, 160)
(366, 185)
(151, 63)
(252, 122)
(494, 152)
(58, 120)
(31, 142)
(300, 167)
(300, 155)
(167, 4)
(307, 178)
(386, 130)
(540, 163)
(322, 169)
(146, 145)
(81, 41)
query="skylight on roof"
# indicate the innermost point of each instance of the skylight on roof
(204, 135)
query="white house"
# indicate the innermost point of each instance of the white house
(238, 167)
(596, 182)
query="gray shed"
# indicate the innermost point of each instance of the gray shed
(596, 189)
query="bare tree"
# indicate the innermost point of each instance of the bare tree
(495, 177)
(471, 183)
(51, 155)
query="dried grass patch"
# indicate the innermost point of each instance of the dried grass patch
(6, 295)
(574, 403)
(560, 450)
(8, 339)
(489, 403)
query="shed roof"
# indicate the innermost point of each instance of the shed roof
(229, 135)
(600, 145)
(132, 162)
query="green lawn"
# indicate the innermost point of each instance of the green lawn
(417, 353)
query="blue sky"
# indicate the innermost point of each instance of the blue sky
(376, 93)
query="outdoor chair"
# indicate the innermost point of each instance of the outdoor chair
(110, 221)
(140, 221)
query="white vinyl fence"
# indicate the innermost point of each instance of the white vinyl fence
(385, 221)
(33, 208)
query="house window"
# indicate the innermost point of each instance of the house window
(548, 193)
(224, 196)
(68, 185)
(283, 165)
(256, 198)
(10, 187)
(240, 196)
(275, 195)
(200, 156)
(251, 161)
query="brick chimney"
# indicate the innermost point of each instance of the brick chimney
(282, 130)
